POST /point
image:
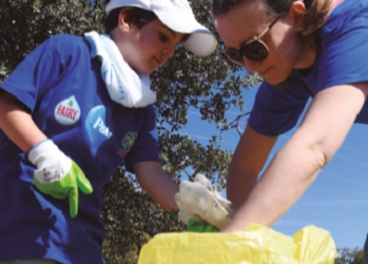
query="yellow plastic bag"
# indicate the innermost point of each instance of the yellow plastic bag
(256, 245)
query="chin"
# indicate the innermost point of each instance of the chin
(143, 70)
(275, 81)
(148, 69)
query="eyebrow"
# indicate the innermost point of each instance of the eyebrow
(256, 36)
(168, 29)
(174, 33)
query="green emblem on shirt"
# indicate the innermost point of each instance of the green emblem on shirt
(129, 140)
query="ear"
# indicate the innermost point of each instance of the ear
(297, 12)
(124, 24)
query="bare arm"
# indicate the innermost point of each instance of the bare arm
(17, 123)
(297, 164)
(249, 159)
(157, 183)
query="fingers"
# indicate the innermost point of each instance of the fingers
(201, 228)
(73, 202)
(82, 182)
(67, 187)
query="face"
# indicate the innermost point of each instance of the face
(148, 48)
(250, 22)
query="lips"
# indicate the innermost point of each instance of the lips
(159, 61)
(262, 73)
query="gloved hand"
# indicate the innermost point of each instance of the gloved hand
(57, 175)
(200, 202)
(200, 228)
(192, 226)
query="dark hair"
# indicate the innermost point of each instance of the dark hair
(316, 15)
(135, 15)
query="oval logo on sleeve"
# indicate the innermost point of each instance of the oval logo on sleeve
(67, 112)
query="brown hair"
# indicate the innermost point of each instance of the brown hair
(317, 12)
(315, 16)
(135, 15)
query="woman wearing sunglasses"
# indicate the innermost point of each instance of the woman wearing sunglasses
(302, 49)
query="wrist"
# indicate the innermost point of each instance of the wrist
(174, 214)
(37, 144)
(46, 153)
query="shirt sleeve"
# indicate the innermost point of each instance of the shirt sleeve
(344, 48)
(35, 74)
(277, 111)
(146, 147)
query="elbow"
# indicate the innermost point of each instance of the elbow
(307, 159)
(318, 159)
(323, 154)
(322, 159)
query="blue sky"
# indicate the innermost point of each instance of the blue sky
(337, 201)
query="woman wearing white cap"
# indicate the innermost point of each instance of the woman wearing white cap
(70, 113)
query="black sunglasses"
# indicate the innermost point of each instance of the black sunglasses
(254, 49)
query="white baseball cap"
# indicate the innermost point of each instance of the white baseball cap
(178, 16)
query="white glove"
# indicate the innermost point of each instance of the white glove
(199, 201)
(57, 175)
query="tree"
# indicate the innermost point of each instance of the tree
(350, 256)
(209, 84)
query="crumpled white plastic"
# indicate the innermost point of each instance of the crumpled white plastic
(200, 201)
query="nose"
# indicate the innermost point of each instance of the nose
(168, 52)
(250, 65)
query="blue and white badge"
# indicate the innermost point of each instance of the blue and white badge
(97, 130)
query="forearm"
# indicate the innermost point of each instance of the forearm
(158, 184)
(297, 164)
(164, 192)
(284, 181)
(249, 159)
(18, 124)
(239, 187)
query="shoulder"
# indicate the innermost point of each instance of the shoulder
(149, 113)
(347, 16)
(342, 46)
(65, 40)
(66, 49)
(66, 44)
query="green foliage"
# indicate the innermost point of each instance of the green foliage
(27, 23)
(350, 256)
(209, 85)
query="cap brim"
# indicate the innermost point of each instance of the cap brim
(201, 42)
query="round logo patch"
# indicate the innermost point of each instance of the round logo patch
(67, 112)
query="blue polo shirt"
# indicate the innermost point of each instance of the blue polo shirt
(342, 51)
(62, 88)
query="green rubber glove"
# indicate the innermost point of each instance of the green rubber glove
(200, 228)
(57, 175)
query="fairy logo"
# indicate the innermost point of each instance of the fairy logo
(67, 112)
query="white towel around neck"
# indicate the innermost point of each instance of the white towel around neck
(124, 85)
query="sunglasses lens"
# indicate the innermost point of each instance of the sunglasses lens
(255, 50)
(233, 56)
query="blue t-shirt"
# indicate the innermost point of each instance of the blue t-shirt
(62, 88)
(342, 52)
